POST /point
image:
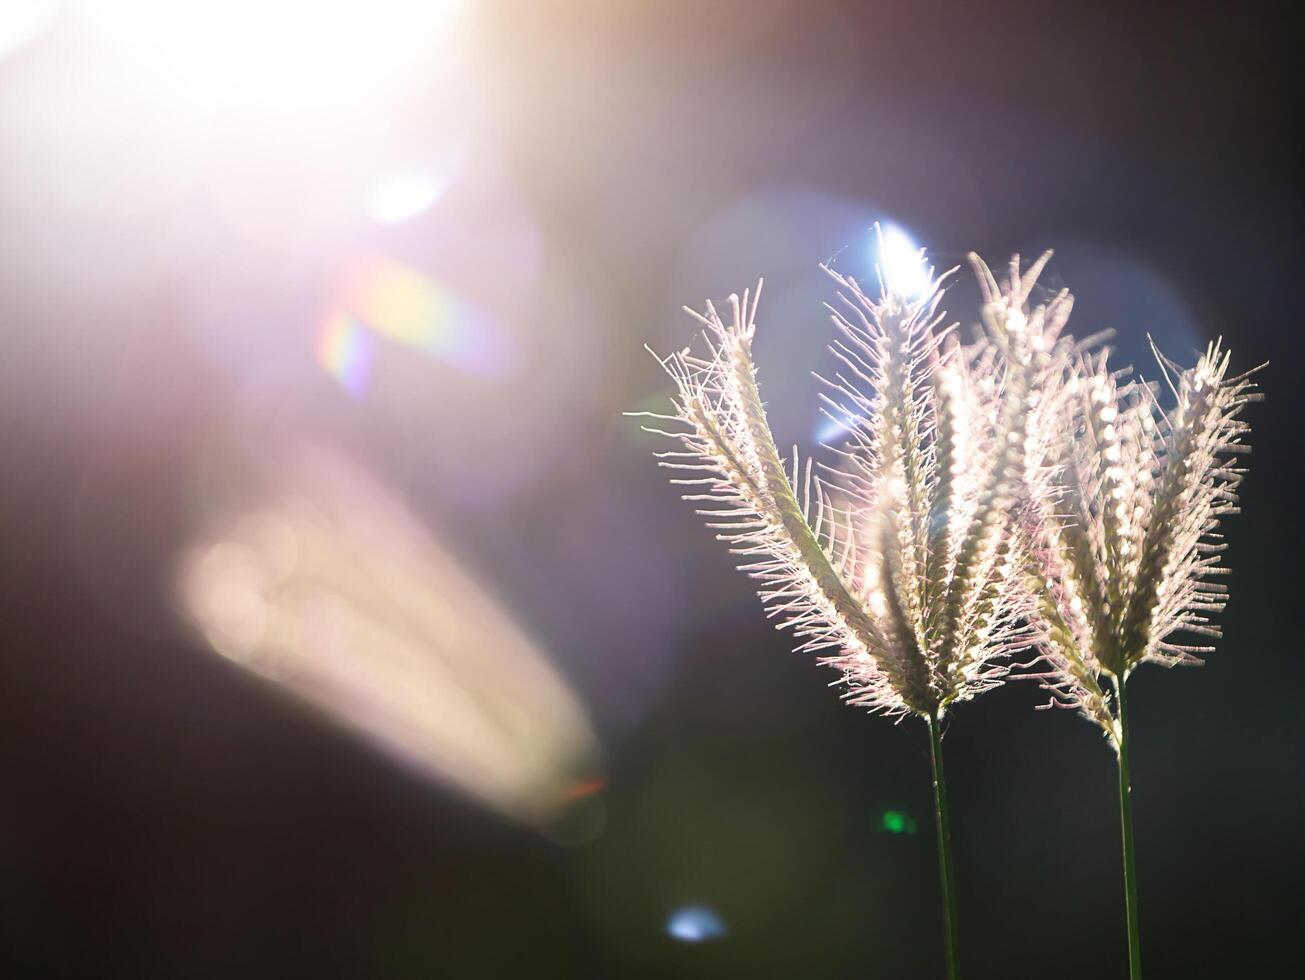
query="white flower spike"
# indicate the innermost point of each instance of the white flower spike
(903, 563)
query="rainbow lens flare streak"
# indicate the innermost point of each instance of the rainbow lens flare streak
(345, 350)
(380, 297)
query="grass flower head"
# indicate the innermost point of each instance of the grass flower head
(1129, 546)
(897, 562)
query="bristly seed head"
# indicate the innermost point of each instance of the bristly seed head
(1011, 493)
(1128, 511)
(904, 562)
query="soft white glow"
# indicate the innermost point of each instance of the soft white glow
(330, 588)
(901, 262)
(832, 431)
(22, 21)
(694, 924)
(402, 196)
(273, 50)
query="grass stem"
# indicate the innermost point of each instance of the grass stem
(944, 845)
(1126, 823)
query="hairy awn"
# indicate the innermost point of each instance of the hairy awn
(1127, 540)
(1007, 494)
(898, 563)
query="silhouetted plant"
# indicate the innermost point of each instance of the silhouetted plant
(1007, 494)
(1126, 539)
(899, 564)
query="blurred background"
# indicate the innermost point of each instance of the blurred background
(349, 629)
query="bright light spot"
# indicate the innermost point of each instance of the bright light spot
(901, 262)
(897, 822)
(694, 924)
(832, 431)
(402, 196)
(22, 21)
(327, 586)
(241, 50)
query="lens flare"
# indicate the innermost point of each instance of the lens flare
(831, 430)
(345, 350)
(897, 822)
(906, 273)
(694, 924)
(386, 298)
(285, 52)
(23, 21)
(403, 196)
(900, 261)
(329, 588)
(398, 302)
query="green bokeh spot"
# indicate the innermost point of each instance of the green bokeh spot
(897, 822)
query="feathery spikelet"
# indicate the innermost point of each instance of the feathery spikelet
(901, 560)
(1127, 561)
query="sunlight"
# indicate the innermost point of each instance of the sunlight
(901, 262)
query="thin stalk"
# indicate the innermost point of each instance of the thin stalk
(944, 844)
(1126, 823)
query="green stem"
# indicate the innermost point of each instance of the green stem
(944, 844)
(1126, 823)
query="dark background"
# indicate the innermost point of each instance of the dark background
(163, 814)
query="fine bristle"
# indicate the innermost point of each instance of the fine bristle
(901, 563)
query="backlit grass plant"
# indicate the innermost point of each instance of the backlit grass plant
(1126, 541)
(900, 564)
(1004, 495)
